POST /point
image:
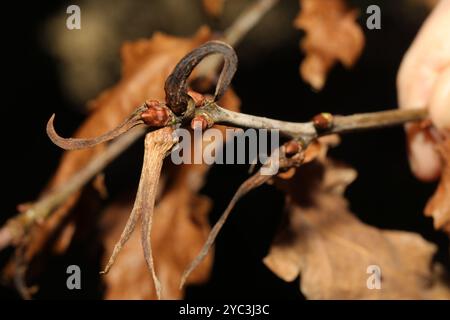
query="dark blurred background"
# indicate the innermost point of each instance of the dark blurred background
(50, 69)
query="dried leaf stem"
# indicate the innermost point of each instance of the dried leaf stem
(73, 144)
(245, 22)
(157, 145)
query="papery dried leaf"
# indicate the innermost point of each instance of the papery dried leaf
(318, 149)
(438, 206)
(129, 278)
(334, 253)
(180, 227)
(213, 7)
(332, 35)
(100, 186)
(157, 145)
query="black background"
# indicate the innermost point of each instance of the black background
(385, 194)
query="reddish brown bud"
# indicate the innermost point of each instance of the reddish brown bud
(156, 115)
(286, 175)
(426, 124)
(323, 121)
(198, 98)
(292, 148)
(199, 120)
(152, 103)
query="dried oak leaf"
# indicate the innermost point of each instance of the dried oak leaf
(174, 233)
(213, 7)
(438, 206)
(332, 35)
(331, 250)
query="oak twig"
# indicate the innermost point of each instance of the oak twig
(308, 131)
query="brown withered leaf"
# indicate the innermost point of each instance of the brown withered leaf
(129, 278)
(438, 206)
(317, 149)
(332, 35)
(332, 251)
(213, 7)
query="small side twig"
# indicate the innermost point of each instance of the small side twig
(157, 145)
(73, 144)
(308, 131)
(20, 272)
(245, 22)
